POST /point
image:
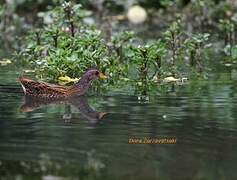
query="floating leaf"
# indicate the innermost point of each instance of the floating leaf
(170, 79)
(28, 71)
(5, 62)
(67, 79)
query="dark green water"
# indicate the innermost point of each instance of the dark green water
(67, 140)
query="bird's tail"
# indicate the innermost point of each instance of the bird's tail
(22, 80)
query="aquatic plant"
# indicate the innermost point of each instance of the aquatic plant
(172, 38)
(64, 47)
(195, 46)
(228, 27)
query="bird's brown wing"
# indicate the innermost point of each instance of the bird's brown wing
(42, 89)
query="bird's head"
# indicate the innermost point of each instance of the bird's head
(93, 74)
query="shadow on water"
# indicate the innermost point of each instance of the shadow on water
(32, 103)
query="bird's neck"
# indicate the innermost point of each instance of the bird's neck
(82, 86)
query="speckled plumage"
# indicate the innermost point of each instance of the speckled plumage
(46, 90)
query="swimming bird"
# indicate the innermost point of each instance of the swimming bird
(46, 90)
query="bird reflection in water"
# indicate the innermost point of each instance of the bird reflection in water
(32, 103)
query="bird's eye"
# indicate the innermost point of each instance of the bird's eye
(97, 73)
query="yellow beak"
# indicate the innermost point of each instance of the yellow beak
(102, 76)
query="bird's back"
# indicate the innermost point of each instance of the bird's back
(42, 89)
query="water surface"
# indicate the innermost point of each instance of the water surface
(76, 140)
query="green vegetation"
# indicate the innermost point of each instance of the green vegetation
(61, 43)
(229, 29)
(67, 47)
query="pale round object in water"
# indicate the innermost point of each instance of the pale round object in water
(137, 14)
